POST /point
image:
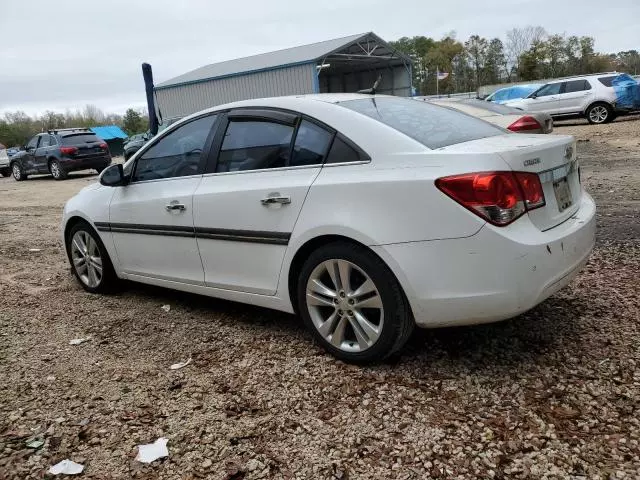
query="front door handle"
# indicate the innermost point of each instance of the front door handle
(175, 206)
(275, 198)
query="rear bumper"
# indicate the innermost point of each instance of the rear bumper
(493, 275)
(71, 164)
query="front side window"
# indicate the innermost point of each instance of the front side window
(576, 86)
(312, 143)
(432, 125)
(177, 154)
(44, 141)
(52, 140)
(254, 145)
(550, 89)
(33, 143)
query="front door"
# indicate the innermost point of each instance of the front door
(545, 100)
(28, 160)
(151, 218)
(246, 208)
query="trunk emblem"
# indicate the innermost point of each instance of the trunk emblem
(531, 161)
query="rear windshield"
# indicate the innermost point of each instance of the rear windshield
(429, 124)
(79, 138)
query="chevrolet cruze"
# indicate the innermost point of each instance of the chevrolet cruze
(365, 214)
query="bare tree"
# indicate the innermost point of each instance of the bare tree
(519, 40)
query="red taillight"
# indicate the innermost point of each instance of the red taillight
(532, 189)
(498, 197)
(104, 146)
(525, 123)
(68, 150)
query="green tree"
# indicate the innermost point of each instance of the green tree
(133, 123)
(495, 62)
(476, 49)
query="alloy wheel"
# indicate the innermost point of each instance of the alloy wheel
(55, 169)
(598, 114)
(17, 174)
(344, 305)
(86, 258)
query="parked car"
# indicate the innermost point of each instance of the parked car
(366, 214)
(5, 170)
(506, 117)
(591, 96)
(133, 144)
(59, 152)
(513, 92)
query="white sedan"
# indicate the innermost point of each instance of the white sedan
(366, 215)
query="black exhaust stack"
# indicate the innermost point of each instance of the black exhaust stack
(147, 74)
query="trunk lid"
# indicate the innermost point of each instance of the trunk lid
(552, 157)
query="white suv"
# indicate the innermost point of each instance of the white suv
(5, 171)
(591, 96)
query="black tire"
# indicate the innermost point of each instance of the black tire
(398, 322)
(5, 172)
(57, 171)
(599, 113)
(109, 281)
(18, 172)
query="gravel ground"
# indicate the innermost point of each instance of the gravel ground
(554, 393)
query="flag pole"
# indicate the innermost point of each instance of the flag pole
(437, 81)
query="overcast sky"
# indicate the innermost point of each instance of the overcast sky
(64, 54)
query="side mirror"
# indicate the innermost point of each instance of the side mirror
(145, 136)
(533, 95)
(113, 176)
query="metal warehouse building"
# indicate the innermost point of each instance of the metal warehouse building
(345, 64)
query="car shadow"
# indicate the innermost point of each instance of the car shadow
(520, 342)
(71, 176)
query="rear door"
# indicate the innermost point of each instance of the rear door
(546, 99)
(247, 205)
(575, 96)
(40, 155)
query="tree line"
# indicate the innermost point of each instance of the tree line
(16, 128)
(525, 54)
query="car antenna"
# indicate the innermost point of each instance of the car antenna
(372, 90)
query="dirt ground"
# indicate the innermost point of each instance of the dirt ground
(554, 393)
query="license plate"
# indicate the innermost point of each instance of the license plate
(563, 194)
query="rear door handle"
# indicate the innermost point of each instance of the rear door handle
(275, 198)
(175, 206)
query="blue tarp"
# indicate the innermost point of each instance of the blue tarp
(109, 132)
(627, 91)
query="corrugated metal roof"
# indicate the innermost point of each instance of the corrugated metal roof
(108, 132)
(263, 61)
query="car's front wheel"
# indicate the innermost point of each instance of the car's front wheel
(89, 259)
(599, 113)
(353, 304)
(57, 171)
(18, 172)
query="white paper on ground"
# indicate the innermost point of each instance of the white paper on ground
(78, 341)
(177, 366)
(166, 308)
(34, 249)
(66, 467)
(153, 451)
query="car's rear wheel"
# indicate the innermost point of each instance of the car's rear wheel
(89, 259)
(599, 113)
(353, 304)
(57, 172)
(18, 172)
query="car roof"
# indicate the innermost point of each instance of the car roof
(590, 75)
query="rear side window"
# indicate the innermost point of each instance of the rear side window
(312, 143)
(254, 145)
(343, 151)
(576, 86)
(79, 138)
(429, 124)
(607, 81)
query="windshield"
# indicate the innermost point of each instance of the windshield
(429, 124)
(79, 138)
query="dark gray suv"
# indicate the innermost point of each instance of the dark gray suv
(59, 152)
